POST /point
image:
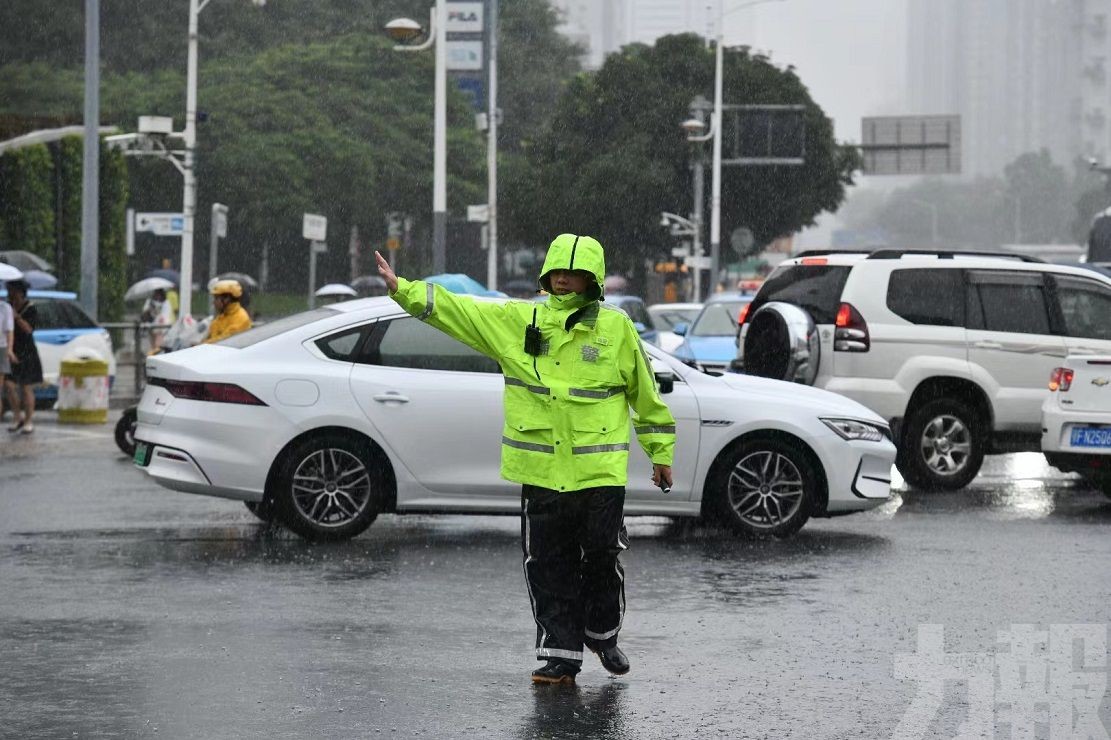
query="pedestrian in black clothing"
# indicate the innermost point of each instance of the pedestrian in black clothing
(26, 370)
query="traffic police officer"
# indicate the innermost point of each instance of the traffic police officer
(573, 367)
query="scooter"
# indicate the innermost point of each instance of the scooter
(186, 332)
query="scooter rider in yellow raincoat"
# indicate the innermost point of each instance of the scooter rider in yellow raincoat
(231, 317)
(573, 367)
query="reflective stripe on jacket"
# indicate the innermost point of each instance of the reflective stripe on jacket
(566, 410)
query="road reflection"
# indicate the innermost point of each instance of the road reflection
(575, 711)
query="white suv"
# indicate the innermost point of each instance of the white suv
(953, 348)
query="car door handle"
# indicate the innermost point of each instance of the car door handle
(391, 396)
(989, 345)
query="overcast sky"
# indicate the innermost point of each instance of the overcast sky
(850, 53)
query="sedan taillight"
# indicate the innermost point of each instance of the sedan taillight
(1060, 379)
(203, 391)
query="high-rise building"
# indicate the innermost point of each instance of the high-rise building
(1022, 74)
(604, 26)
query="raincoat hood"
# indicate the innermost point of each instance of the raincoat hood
(573, 252)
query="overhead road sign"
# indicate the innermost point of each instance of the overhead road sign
(764, 135)
(160, 224)
(912, 145)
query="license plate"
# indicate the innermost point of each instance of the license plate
(1090, 437)
(142, 454)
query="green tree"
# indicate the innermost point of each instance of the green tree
(1038, 195)
(112, 250)
(1032, 203)
(613, 156)
(27, 200)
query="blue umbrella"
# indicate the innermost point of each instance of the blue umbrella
(457, 282)
(40, 280)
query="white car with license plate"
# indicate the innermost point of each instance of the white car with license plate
(327, 418)
(1076, 419)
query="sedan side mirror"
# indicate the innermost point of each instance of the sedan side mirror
(666, 380)
(680, 329)
(640, 327)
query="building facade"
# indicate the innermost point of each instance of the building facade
(602, 27)
(1022, 74)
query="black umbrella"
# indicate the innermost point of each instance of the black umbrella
(244, 280)
(369, 285)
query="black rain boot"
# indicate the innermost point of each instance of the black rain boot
(555, 671)
(612, 657)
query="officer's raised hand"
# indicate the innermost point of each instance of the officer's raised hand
(386, 272)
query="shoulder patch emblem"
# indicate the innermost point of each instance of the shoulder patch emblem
(590, 354)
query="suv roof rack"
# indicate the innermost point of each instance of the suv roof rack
(827, 252)
(948, 254)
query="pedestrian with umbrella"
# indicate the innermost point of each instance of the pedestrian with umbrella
(26, 371)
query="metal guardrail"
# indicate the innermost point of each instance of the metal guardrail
(137, 331)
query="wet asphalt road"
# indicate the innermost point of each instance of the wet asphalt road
(132, 611)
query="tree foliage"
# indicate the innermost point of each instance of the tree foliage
(27, 200)
(1035, 201)
(613, 156)
(307, 107)
(40, 212)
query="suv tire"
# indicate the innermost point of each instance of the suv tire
(942, 446)
(765, 487)
(327, 488)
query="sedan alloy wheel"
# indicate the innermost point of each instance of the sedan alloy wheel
(764, 486)
(326, 489)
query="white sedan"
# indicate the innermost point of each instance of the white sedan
(327, 418)
(1076, 419)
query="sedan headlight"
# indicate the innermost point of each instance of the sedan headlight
(853, 429)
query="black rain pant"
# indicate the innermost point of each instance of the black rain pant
(571, 542)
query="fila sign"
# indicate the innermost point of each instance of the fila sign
(465, 17)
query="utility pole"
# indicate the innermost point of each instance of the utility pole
(189, 191)
(492, 154)
(90, 175)
(218, 229)
(696, 218)
(439, 154)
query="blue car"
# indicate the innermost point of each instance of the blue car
(62, 328)
(710, 342)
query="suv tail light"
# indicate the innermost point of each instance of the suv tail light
(851, 332)
(1060, 379)
(200, 391)
(742, 317)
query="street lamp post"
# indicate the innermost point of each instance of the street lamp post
(90, 182)
(404, 29)
(682, 227)
(694, 127)
(189, 138)
(715, 131)
(492, 154)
